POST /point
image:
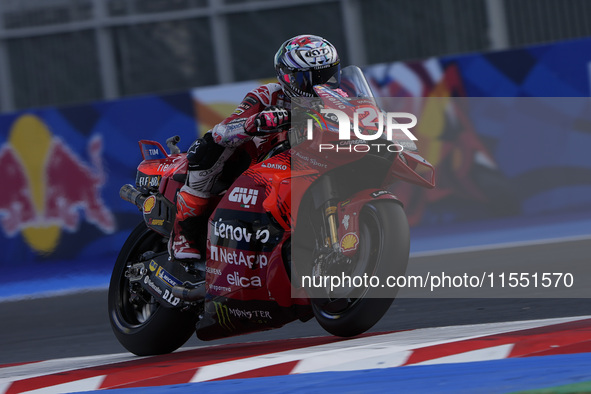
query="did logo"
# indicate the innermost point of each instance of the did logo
(48, 188)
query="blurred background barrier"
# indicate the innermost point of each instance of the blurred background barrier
(82, 81)
(55, 52)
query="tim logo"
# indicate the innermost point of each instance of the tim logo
(246, 197)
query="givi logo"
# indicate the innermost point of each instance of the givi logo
(244, 196)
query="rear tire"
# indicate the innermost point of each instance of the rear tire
(144, 327)
(384, 242)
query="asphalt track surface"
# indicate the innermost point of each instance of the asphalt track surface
(78, 325)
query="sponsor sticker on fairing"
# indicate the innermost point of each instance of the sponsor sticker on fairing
(244, 196)
(275, 166)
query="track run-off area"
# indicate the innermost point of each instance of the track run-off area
(495, 357)
(64, 343)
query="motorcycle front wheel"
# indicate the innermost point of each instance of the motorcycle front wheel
(141, 324)
(384, 245)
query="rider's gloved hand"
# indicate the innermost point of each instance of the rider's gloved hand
(270, 120)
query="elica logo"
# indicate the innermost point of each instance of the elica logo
(369, 117)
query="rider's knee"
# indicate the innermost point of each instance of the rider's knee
(204, 153)
(206, 161)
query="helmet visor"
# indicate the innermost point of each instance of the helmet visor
(305, 80)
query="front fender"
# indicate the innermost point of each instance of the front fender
(348, 214)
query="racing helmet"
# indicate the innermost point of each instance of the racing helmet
(304, 61)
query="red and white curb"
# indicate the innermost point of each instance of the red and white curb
(479, 342)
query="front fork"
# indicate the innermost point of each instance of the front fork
(326, 198)
(329, 256)
(330, 259)
(330, 224)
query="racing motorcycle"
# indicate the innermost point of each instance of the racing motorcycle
(285, 211)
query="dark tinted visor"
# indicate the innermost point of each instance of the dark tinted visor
(306, 80)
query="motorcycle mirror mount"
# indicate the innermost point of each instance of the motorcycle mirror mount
(171, 144)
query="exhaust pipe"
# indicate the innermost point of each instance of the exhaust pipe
(132, 195)
(187, 294)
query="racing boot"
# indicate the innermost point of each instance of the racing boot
(190, 212)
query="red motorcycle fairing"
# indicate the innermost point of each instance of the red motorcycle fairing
(158, 170)
(247, 275)
(244, 284)
(348, 212)
(157, 173)
(412, 168)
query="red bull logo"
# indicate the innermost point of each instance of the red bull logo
(47, 188)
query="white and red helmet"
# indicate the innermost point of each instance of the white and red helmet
(304, 61)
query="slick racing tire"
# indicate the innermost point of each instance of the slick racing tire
(384, 245)
(141, 324)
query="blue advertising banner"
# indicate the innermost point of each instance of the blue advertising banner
(485, 170)
(63, 168)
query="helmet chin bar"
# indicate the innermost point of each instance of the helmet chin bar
(291, 92)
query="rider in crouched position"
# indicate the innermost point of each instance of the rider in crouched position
(301, 62)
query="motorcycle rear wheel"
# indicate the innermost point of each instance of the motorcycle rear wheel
(143, 326)
(384, 244)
